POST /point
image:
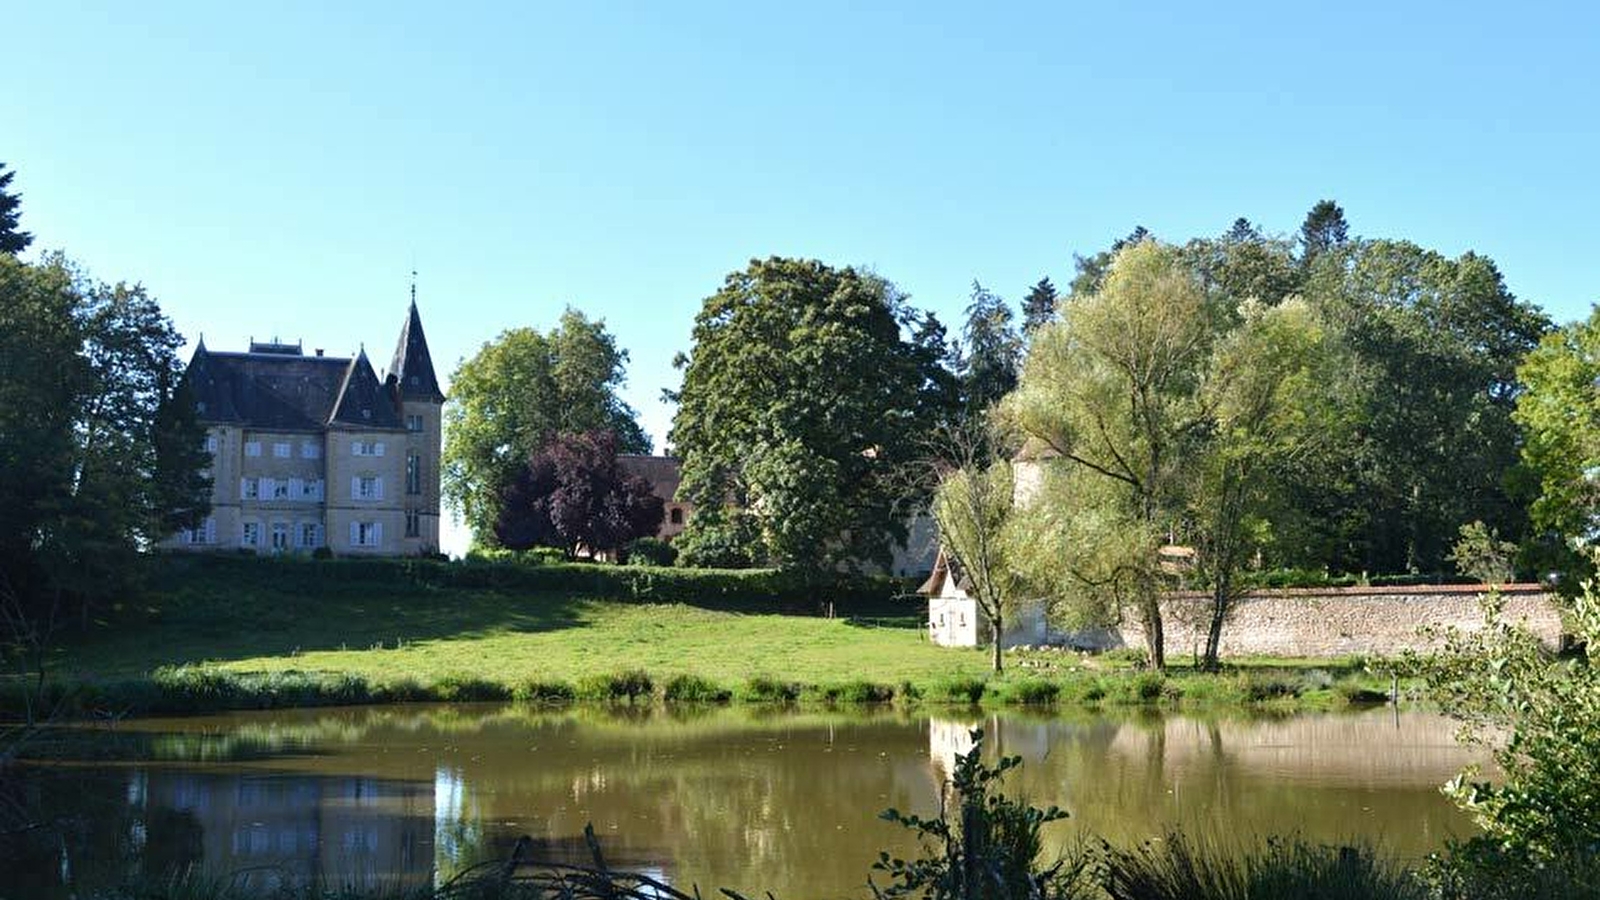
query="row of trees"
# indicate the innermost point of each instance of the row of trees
(101, 453)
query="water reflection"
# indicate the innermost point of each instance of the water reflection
(755, 800)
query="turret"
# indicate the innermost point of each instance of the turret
(414, 389)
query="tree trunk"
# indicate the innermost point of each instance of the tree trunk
(994, 634)
(1219, 611)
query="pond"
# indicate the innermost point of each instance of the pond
(750, 799)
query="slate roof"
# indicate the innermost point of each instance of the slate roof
(362, 401)
(269, 391)
(411, 370)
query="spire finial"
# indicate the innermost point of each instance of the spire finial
(413, 287)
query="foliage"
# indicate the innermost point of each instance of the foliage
(650, 551)
(694, 689)
(1482, 556)
(1324, 229)
(1039, 307)
(1178, 868)
(515, 394)
(1537, 714)
(801, 404)
(721, 538)
(991, 848)
(574, 494)
(1558, 410)
(100, 451)
(632, 686)
(973, 509)
(12, 239)
(991, 351)
(1112, 394)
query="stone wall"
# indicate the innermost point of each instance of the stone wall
(1378, 621)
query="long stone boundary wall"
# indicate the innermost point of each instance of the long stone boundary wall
(1378, 621)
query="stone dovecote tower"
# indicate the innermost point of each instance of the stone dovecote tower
(412, 384)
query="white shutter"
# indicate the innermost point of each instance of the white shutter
(242, 494)
(377, 487)
(355, 488)
(377, 534)
(320, 495)
(267, 488)
(297, 489)
(355, 533)
(211, 530)
(377, 449)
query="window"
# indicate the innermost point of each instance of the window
(413, 423)
(366, 487)
(311, 489)
(280, 451)
(310, 535)
(252, 448)
(365, 534)
(205, 533)
(677, 515)
(249, 489)
(309, 450)
(250, 534)
(211, 443)
(280, 488)
(413, 473)
(366, 448)
(413, 523)
(280, 537)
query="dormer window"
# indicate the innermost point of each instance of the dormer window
(366, 414)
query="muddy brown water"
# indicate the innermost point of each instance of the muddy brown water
(751, 799)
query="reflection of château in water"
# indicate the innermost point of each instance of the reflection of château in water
(365, 832)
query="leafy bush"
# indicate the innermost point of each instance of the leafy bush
(957, 689)
(544, 692)
(856, 692)
(1030, 691)
(694, 689)
(631, 686)
(464, 688)
(322, 553)
(649, 551)
(762, 689)
(1133, 656)
(1147, 687)
(1259, 688)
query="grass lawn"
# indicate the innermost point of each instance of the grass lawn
(268, 634)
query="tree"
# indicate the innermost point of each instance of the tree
(573, 494)
(99, 458)
(992, 351)
(800, 406)
(1558, 410)
(1262, 395)
(1112, 390)
(1243, 263)
(1091, 270)
(1039, 307)
(1324, 229)
(972, 509)
(1431, 346)
(517, 392)
(12, 239)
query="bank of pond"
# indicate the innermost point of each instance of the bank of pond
(401, 800)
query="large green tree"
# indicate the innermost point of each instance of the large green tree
(1039, 306)
(1431, 346)
(1558, 410)
(515, 394)
(802, 401)
(100, 450)
(1324, 229)
(991, 351)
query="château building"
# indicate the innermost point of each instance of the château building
(319, 451)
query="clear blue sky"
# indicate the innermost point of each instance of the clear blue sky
(279, 171)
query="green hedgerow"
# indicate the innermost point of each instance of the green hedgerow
(957, 689)
(694, 689)
(859, 691)
(631, 686)
(762, 689)
(539, 691)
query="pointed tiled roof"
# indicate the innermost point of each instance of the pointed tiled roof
(411, 371)
(362, 402)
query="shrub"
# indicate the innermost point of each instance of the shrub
(544, 692)
(401, 690)
(957, 689)
(762, 689)
(694, 689)
(1148, 686)
(859, 691)
(630, 686)
(1132, 656)
(464, 688)
(1176, 869)
(1030, 691)
(1257, 688)
(1355, 693)
(649, 551)
(322, 553)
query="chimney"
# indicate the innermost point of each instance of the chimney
(319, 351)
